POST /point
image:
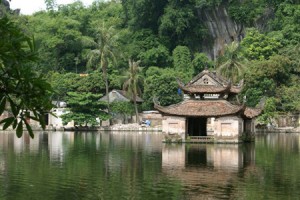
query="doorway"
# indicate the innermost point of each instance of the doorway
(197, 126)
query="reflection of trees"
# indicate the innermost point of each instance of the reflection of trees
(89, 166)
(135, 166)
(276, 175)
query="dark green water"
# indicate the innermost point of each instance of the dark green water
(138, 166)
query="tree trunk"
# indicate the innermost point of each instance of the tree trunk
(136, 110)
(106, 86)
(107, 94)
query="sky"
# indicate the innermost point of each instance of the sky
(30, 6)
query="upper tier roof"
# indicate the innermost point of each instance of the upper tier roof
(208, 82)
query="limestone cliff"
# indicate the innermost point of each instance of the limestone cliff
(222, 29)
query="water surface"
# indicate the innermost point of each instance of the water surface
(67, 165)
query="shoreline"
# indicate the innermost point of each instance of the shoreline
(138, 128)
(121, 128)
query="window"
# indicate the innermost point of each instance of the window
(205, 81)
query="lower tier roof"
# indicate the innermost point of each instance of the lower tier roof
(206, 108)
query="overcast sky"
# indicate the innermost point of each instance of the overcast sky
(30, 6)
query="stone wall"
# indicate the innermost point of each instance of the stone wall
(228, 128)
(292, 120)
(155, 118)
(174, 125)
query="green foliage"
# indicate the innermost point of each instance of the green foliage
(269, 111)
(141, 14)
(70, 38)
(71, 82)
(104, 52)
(207, 3)
(289, 98)
(161, 84)
(145, 46)
(133, 83)
(180, 23)
(60, 42)
(246, 12)
(124, 108)
(292, 53)
(156, 56)
(264, 77)
(182, 60)
(176, 20)
(111, 12)
(50, 5)
(254, 91)
(258, 46)
(84, 108)
(200, 62)
(232, 65)
(23, 93)
(92, 82)
(286, 22)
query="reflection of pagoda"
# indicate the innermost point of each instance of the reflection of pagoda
(214, 171)
(207, 113)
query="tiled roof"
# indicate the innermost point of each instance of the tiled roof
(213, 75)
(201, 108)
(217, 86)
(204, 89)
(124, 93)
(119, 95)
(252, 112)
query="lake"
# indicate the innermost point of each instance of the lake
(108, 165)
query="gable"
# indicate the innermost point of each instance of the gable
(206, 80)
(115, 96)
(118, 96)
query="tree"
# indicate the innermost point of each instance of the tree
(23, 93)
(143, 13)
(246, 12)
(289, 98)
(269, 111)
(161, 84)
(84, 108)
(144, 45)
(124, 108)
(104, 52)
(60, 42)
(200, 62)
(62, 83)
(231, 64)
(50, 5)
(182, 60)
(266, 77)
(133, 83)
(286, 22)
(180, 24)
(257, 46)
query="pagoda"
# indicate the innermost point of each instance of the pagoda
(208, 113)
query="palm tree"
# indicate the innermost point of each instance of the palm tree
(133, 82)
(231, 64)
(104, 52)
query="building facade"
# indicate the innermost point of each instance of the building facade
(209, 112)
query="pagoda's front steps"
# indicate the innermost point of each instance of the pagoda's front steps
(175, 138)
